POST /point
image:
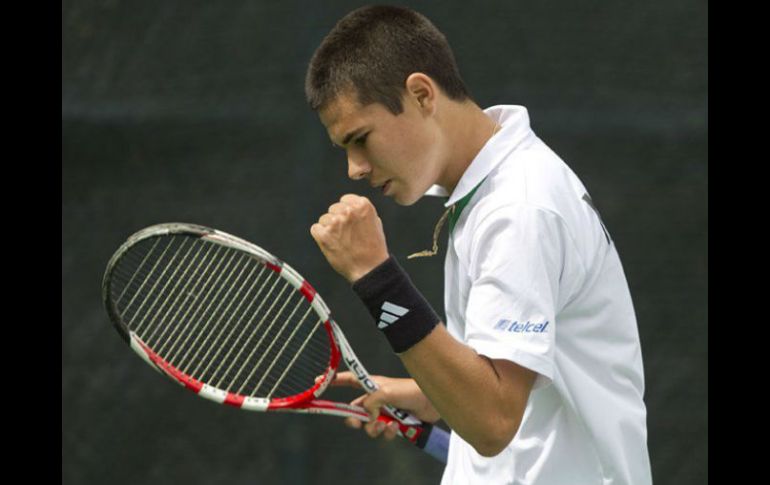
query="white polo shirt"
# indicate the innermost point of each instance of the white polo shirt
(532, 276)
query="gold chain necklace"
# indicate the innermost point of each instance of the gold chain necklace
(440, 224)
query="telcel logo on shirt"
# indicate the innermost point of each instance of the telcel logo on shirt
(516, 327)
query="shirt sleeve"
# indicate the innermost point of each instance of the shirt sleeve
(517, 259)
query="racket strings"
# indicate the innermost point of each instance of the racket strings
(269, 342)
(270, 350)
(189, 302)
(281, 343)
(290, 365)
(153, 310)
(225, 303)
(148, 333)
(146, 279)
(156, 319)
(205, 319)
(254, 339)
(243, 328)
(139, 268)
(279, 352)
(198, 320)
(220, 316)
(144, 282)
(252, 325)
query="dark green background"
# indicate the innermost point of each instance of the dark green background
(194, 111)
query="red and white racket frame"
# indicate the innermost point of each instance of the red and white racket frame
(410, 427)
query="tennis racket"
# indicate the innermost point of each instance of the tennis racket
(236, 325)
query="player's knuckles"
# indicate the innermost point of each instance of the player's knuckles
(340, 209)
(379, 380)
(337, 221)
(374, 428)
(350, 198)
(362, 205)
(372, 403)
(366, 204)
(370, 430)
(319, 233)
(326, 219)
(383, 394)
(391, 431)
(345, 378)
(353, 423)
(355, 202)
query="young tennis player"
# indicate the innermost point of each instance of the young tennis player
(538, 367)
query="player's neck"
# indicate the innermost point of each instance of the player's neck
(468, 129)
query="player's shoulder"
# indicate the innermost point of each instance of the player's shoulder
(532, 176)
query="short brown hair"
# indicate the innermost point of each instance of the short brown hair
(373, 50)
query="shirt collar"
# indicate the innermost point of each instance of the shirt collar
(515, 129)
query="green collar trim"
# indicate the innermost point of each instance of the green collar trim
(457, 207)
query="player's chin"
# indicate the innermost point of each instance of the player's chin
(405, 198)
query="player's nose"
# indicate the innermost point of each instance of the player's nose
(358, 167)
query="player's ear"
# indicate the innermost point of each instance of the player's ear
(421, 89)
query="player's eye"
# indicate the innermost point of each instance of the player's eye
(360, 141)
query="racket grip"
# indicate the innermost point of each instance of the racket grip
(435, 442)
(431, 439)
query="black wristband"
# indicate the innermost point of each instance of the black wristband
(398, 308)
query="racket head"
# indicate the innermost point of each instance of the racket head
(203, 307)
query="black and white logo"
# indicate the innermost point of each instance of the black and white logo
(390, 314)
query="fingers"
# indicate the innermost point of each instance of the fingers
(348, 205)
(353, 199)
(346, 379)
(373, 404)
(319, 233)
(329, 220)
(329, 224)
(352, 203)
(351, 237)
(340, 208)
(370, 404)
(378, 424)
(379, 427)
(391, 431)
(353, 423)
(325, 229)
(374, 430)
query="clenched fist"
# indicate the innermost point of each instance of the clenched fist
(351, 238)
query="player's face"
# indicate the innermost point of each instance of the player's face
(399, 154)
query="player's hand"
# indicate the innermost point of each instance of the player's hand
(404, 394)
(351, 238)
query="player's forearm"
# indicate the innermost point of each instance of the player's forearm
(481, 399)
(466, 390)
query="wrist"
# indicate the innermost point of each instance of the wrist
(397, 306)
(355, 276)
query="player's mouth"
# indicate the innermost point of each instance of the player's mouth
(383, 186)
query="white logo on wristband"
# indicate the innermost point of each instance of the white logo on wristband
(390, 314)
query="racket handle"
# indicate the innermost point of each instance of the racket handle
(436, 442)
(431, 439)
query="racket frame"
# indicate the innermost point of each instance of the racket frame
(307, 402)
